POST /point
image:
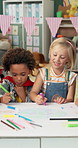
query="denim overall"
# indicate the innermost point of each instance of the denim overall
(56, 88)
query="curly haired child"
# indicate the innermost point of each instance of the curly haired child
(20, 63)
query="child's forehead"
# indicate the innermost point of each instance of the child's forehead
(18, 67)
(59, 47)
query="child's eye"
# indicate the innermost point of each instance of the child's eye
(54, 54)
(14, 75)
(62, 57)
(23, 74)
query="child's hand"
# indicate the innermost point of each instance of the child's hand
(59, 100)
(6, 98)
(40, 100)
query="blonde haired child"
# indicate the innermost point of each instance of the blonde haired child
(58, 82)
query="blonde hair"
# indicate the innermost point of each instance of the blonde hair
(70, 47)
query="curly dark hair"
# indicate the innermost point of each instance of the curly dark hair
(18, 56)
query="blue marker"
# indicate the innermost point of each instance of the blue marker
(62, 107)
(23, 117)
(11, 107)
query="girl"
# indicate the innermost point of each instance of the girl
(57, 83)
(20, 63)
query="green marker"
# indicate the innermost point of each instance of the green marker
(73, 120)
(7, 91)
(13, 124)
(72, 125)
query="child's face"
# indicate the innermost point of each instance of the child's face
(59, 57)
(19, 73)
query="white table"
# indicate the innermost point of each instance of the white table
(52, 134)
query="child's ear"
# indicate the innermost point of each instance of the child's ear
(30, 71)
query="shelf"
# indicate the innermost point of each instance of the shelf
(41, 36)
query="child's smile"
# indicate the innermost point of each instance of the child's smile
(59, 58)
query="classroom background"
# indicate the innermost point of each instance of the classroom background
(51, 19)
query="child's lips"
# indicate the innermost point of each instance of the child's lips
(57, 64)
(18, 83)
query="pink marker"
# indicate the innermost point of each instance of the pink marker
(41, 94)
(16, 123)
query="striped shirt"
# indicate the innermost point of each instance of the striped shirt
(52, 77)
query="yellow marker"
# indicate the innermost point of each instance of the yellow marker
(8, 116)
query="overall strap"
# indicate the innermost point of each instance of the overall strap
(67, 76)
(47, 73)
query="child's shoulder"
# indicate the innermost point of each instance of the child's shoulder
(71, 76)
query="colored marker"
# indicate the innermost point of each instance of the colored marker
(13, 124)
(23, 117)
(8, 116)
(73, 120)
(11, 107)
(17, 124)
(35, 124)
(8, 125)
(41, 94)
(7, 91)
(72, 125)
(69, 119)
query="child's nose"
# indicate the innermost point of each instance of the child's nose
(57, 58)
(19, 78)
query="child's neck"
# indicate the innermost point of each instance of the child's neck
(57, 71)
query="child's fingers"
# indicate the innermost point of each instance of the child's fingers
(39, 99)
(44, 99)
(8, 96)
(59, 100)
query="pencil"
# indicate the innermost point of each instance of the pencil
(7, 91)
(13, 124)
(8, 125)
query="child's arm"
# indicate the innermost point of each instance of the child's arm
(71, 92)
(36, 89)
(21, 92)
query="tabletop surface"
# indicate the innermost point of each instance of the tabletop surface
(40, 116)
